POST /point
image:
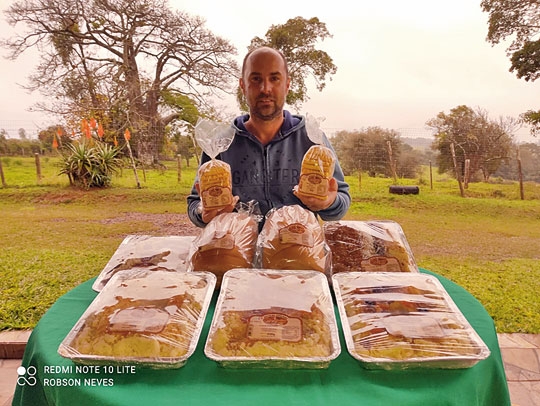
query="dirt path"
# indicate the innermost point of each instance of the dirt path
(166, 223)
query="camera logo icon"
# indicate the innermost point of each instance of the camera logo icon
(26, 376)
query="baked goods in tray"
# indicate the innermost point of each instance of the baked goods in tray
(227, 242)
(273, 318)
(292, 238)
(368, 246)
(316, 171)
(399, 321)
(146, 252)
(144, 317)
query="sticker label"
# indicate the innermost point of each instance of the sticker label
(296, 233)
(275, 327)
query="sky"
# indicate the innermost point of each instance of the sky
(398, 63)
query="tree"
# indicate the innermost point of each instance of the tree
(367, 150)
(485, 143)
(297, 39)
(47, 136)
(529, 154)
(520, 19)
(114, 60)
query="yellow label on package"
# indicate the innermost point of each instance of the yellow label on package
(275, 327)
(313, 185)
(216, 197)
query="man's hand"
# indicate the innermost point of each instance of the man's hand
(315, 204)
(208, 214)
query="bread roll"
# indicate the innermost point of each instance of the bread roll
(215, 184)
(227, 242)
(316, 171)
(292, 238)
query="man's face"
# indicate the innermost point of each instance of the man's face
(265, 84)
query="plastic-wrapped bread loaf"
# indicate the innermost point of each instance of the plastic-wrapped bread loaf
(316, 171)
(292, 238)
(227, 242)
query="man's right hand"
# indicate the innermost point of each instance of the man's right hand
(208, 214)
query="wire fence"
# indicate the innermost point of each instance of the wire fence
(522, 162)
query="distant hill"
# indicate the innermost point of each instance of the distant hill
(417, 142)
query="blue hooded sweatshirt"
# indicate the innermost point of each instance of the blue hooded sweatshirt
(268, 173)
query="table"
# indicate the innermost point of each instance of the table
(202, 382)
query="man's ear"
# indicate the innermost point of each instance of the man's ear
(241, 83)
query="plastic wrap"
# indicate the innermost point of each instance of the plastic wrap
(273, 319)
(148, 252)
(227, 242)
(292, 238)
(215, 180)
(368, 246)
(398, 321)
(142, 317)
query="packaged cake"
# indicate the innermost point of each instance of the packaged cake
(227, 242)
(318, 164)
(273, 319)
(399, 321)
(146, 252)
(368, 246)
(214, 176)
(142, 317)
(292, 238)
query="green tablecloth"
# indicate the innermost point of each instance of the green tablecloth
(202, 382)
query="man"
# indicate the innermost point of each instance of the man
(267, 150)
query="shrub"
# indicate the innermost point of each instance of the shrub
(90, 163)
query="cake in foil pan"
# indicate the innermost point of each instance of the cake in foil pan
(404, 320)
(273, 319)
(142, 317)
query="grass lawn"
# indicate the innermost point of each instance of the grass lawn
(54, 237)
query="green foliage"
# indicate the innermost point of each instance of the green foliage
(90, 163)
(518, 19)
(297, 39)
(367, 150)
(484, 143)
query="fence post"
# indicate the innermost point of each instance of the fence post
(456, 169)
(392, 162)
(467, 173)
(430, 175)
(38, 167)
(4, 184)
(520, 174)
(179, 162)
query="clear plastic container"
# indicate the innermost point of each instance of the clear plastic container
(142, 317)
(368, 246)
(404, 320)
(273, 319)
(146, 252)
